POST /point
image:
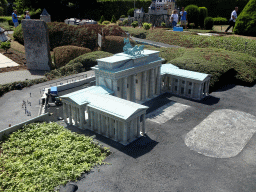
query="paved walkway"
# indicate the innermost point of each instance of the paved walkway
(6, 62)
(22, 75)
(153, 43)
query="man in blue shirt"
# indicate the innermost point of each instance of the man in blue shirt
(183, 18)
(15, 18)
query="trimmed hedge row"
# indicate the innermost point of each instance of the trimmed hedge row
(220, 21)
(80, 64)
(64, 54)
(114, 44)
(61, 34)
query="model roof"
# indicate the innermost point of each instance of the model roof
(174, 70)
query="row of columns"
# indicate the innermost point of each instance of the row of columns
(203, 87)
(115, 128)
(154, 85)
(75, 113)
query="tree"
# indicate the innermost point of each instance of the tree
(246, 21)
(192, 14)
(113, 20)
(203, 13)
(3, 4)
(101, 19)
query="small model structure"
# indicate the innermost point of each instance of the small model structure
(185, 83)
(74, 21)
(3, 37)
(45, 16)
(122, 81)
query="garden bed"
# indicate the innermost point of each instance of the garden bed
(41, 156)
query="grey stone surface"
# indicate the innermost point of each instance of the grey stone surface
(37, 46)
(45, 16)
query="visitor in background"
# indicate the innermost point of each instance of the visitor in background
(232, 20)
(183, 18)
(174, 18)
(27, 15)
(15, 18)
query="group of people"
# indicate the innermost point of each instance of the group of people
(183, 18)
(15, 17)
(175, 18)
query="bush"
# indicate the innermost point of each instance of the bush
(119, 23)
(101, 19)
(192, 14)
(35, 14)
(1, 11)
(220, 21)
(135, 24)
(203, 13)
(125, 22)
(113, 20)
(61, 34)
(147, 26)
(114, 44)
(130, 12)
(78, 65)
(246, 21)
(122, 16)
(64, 54)
(5, 46)
(208, 23)
(163, 24)
(105, 22)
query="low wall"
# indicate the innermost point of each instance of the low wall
(13, 128)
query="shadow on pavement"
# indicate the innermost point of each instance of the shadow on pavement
(37, 72)
(137, 148)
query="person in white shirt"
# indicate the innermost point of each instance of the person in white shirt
(232, 20)
(174, 18)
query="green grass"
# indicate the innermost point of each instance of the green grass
(217, 62)
(6, 26)
(188, 40)
(42, 156)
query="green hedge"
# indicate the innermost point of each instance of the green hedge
(203, 13)
(208, 23)
(1, 11)
(64, 54)
(220, 21)
(61, 34)
(246, 21)
(80, 64)
(193, 14)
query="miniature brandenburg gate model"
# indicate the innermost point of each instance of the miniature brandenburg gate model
(112, 108)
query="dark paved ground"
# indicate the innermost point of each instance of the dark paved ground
(162, 162)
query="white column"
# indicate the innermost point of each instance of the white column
(151, 88)
(75, 115)
(99, 123)
(185, 88)
(133, 89)
(158, 84)
(115, 86)
(199, 91)
(143, 86)
(143, 125)
(92, 120)
(138, 126)
(125, 88)
(107, 126)
(65, 112)
(70, 115)
(116, 130)
(192, 89)
(131, 130)
(102, 124)
(82, 117)
(208, 86)
(89, 116)
(125, 133)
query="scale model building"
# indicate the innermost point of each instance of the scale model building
(111, 108)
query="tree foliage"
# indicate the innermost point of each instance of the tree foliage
(192, 14)
(203, 13)
(246, 21)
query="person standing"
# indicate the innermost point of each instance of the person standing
(183, 18)
(15, 18)
(232, 20)
(27, 15)
(174, 18)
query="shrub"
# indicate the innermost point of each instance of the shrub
(64, 54)
(113, 20)
(125, 22)
(18, 34)
(246, 21)
(114, 44)
(1, 11)
(35, 14)
(130, 12)
(135, 24)
(220, 21)
(163, 24)
(119, 23)
(105, 22)
(208, 23)
(122, 16)
(147, 26)
(5, 46)
(192, 14)
(77, 65)
(101, 19)
(203, 13)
